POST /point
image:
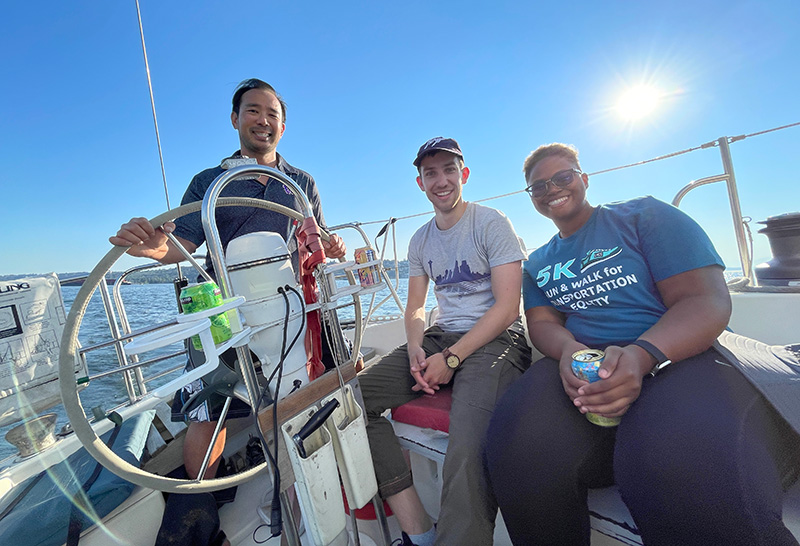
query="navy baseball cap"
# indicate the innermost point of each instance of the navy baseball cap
(438, 144)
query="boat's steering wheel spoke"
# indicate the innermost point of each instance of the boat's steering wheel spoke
(188, 255)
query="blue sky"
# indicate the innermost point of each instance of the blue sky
(366, 84)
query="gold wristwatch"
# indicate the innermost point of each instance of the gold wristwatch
(452, 360)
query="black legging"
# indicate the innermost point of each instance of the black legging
(699, 459)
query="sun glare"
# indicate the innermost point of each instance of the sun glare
(637, 102)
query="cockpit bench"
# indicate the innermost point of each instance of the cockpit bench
(421, 427)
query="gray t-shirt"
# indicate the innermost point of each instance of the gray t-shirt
(459, 261)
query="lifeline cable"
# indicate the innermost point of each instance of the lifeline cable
(711, 144)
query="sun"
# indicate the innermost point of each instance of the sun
(638, 102)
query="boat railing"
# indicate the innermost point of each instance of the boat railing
(391, 284)
(132, 361)
(117, 341)
(130, 366)
(739, 224)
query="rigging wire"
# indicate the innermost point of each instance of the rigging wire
(742, 137)
(152, 104)
(155, 118)
(711, 144)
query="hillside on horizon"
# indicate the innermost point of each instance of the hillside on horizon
(164, 275)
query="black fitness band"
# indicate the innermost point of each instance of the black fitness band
(661, 359)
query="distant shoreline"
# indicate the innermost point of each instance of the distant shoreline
(167, 276)
(162, 276)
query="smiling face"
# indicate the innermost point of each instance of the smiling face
(441, 177)
(260, 124)
(567, 207)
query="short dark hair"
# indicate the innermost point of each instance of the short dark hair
(255, 83)
(567, 151)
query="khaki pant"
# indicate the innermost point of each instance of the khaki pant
(468, 508)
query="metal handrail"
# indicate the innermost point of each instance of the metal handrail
(384, 274)
(126, 327)
(138, 365)
(141, 381)
(215, 251)
(733, 197)
(208, 218)
(127, 337)
(122, 332)
(115, 334)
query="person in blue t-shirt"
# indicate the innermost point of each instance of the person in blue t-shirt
(698, 455)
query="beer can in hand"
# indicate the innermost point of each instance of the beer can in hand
(585, 365)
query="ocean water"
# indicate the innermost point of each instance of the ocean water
(147, 305)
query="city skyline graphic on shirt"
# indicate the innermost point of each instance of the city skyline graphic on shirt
(458, 274)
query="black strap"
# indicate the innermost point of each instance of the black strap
(79, 499)
(661, 359)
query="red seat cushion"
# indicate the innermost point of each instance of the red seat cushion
(427, 411)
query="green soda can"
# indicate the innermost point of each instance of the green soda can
(585, 365)
(200, 297)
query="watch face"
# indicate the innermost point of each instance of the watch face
(453, 362)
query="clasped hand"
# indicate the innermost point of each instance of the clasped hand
(429, 373)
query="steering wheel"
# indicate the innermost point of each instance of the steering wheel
(69, 353)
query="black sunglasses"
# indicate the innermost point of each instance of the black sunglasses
(561, 179)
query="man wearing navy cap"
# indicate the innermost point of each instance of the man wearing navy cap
(477, 346)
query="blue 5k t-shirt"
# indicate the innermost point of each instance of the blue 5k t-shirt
(603, 277)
